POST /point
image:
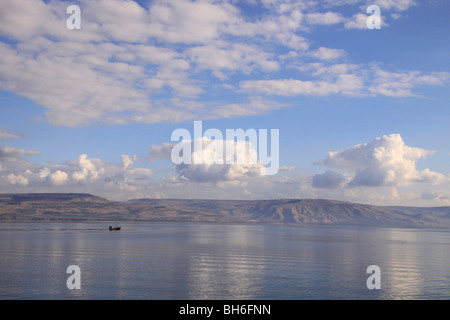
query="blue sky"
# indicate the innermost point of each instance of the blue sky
(363, 115)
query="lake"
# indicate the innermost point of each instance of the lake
(221, 261)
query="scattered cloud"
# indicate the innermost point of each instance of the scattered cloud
(6, 134)
(174, 61)
(358, 21)
(346, 84)
(327, 53)
(398, 5)
(12, 154)
(324, 18)
(349, 80)
(130, 61)
(401, 84)
(87, 173)
(221, 56)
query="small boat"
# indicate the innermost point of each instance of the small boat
(111, 228)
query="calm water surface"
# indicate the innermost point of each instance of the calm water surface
(206, 261)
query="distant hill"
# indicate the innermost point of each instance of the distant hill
(85, 207)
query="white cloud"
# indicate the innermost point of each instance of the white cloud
(44, 173)
(58, 177)
(124, 179)
(292, 41)
(88, 169)
(322, 69)
(204, 166)
(358, 21)
(288, 168)
(73, 91)
(347, 84)
(349, 80)
(400, 84)
(128, 161)
(22, 19)
(324, 18)
(288, 87)
(121, 180)
(222, 56)
(327, 53)
(119, 20)
(130, 61)
(256, 106)
(184, 21)
(16, 179)
(385, 161)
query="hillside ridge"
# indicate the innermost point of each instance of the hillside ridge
(73, 207)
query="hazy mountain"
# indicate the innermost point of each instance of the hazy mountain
(85, 207)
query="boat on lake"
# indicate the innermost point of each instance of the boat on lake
(111, 228)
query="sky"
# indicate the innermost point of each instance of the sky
(362, 113)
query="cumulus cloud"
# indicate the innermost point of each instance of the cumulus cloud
(83, 174)
(385, 161)
(128, 161)
(16, 179)
(125, 179)
(210, 171)
(218, 161)
(89, 169)
(58, 177)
